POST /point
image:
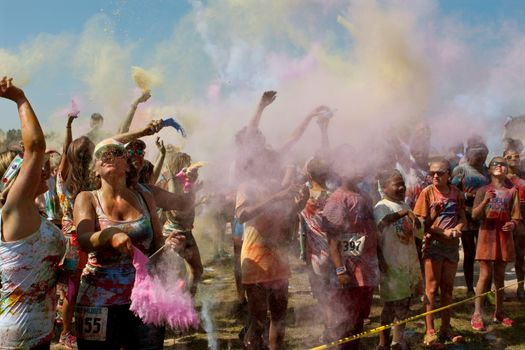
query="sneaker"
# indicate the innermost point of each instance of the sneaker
(477, 322)
(503, 319)
(68, 340)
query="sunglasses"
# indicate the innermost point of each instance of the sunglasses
(438, 173)
(501, 164)
(137, 152)
(513, 156)
(111, 155)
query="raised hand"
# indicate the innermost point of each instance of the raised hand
(70, 119)
(267, 98)
(160, 145)
(10, 91)
(144, 97)
(153, 127)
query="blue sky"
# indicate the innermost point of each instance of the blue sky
(144, 26)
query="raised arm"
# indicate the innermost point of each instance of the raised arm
(266, 99)
(20, 214)
(159, 162)
(246, 211)
(63, 167)
(124, 127)
(299, 131)
(152, 128)
(323, 122)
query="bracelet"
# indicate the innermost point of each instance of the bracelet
(340, 270)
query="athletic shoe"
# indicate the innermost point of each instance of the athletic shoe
(68, 340)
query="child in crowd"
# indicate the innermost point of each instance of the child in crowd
(497, 207)
(442, 209)
(400, 278)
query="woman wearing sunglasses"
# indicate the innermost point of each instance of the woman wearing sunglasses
(31, 247)
(110, 221)
(512, 157)
(442, 209)
(497, 208)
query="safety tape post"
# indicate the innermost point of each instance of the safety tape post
(409, 319)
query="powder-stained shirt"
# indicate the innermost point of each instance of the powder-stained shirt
(317, 250)
(493, 243)
(177, 220)
(346, 214)
(519, 183)
(403, 276)
(28, 273)
(264, 254)
(66, 203)
(109, 275)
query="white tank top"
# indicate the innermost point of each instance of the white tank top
(28, 276)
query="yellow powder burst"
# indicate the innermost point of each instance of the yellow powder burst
(144, 79)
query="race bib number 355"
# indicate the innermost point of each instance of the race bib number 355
(352, 244)
(92, 322)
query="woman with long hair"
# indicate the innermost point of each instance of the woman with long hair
(72, 178)
(181, 221)
(497, 207)
(31, 247)
(111, 220)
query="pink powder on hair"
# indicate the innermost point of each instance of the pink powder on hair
(158, 302)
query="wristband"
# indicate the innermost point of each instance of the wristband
(340, 270)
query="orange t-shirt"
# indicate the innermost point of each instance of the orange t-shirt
(264, 254)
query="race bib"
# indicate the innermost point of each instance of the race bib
(352, 244)
(92, 322)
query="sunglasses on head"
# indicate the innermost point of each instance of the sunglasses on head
(138, 152)
(512, 156)
(438, 173)
(111, 155)
(496, 163)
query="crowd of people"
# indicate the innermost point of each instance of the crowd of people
(70, 222)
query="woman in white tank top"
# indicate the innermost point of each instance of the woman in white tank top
(30, 246)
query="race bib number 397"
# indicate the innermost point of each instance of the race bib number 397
(92, 322)
(352, 244)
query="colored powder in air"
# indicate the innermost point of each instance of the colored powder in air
(145, 80)
(162, 303)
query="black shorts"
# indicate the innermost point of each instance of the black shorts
(123, 329)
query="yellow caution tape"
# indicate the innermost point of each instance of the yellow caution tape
(382, 328)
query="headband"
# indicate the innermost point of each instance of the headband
(11, 172)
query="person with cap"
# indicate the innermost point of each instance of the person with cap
(31, 247)
(110, 221)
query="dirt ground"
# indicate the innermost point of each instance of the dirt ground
(303, 327)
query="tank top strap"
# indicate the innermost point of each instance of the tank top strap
(142, 202)
(98, 205)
